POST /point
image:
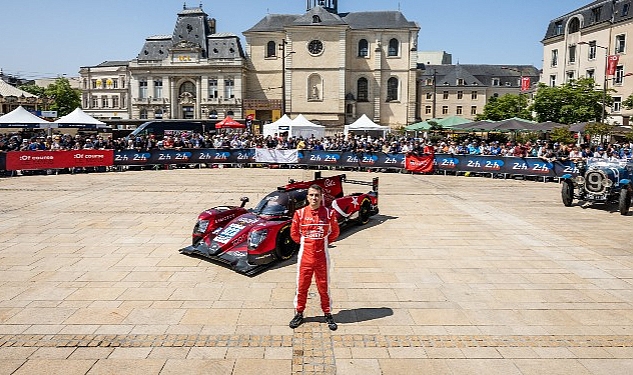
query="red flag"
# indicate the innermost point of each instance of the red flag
(613, 64)
(417, 163)
(525, 83)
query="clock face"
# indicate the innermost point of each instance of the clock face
(315, 47)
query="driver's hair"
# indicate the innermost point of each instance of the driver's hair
(317, 188)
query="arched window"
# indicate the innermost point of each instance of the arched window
(394, 47)
(392, 89)
(316, 19)
(188, 87)
(158, 113)
(574, 25)
(363, 48)
(362, 89)
(271, 49)
(143, 115)
(230, 113)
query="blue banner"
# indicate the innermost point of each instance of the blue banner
(347, 159)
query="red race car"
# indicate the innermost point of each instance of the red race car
(250, 239)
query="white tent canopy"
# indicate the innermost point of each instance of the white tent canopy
(79, 119)
(283, 125)
(364, 124)
(299, 127)
(21, 118)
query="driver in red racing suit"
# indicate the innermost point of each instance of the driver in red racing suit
(313, 227)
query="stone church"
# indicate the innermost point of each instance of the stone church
(332, 66)
(328, 65)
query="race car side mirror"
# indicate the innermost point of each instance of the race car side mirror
(244, 200)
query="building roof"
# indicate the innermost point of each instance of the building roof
(8, 90)
(192, 31)
(609, 11)
(478, 75)
(354, 20)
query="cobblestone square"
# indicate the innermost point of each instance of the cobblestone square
(463, 275)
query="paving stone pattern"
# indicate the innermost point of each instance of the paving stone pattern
(456, 275)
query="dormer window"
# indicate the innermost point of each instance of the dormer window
(316, 19)
(460, 82)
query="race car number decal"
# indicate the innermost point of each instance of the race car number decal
(228, 233)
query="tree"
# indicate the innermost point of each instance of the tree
(34, 89)
(505, 107)
(561, 135)
(599, 129)
(574, 101)
(66, 99)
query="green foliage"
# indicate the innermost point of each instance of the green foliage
(561, 135)
(505, 107)
(628, 136)
(435, 126)
(628, 103)
(574, 101)
(66, 99)
(523, 137)
(33, 89)
(597, 128)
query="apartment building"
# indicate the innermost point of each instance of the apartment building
(463, 90)
(581, 43)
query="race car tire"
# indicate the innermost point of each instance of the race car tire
(625, 200)
(567, 193)
(286, 247)
(364, 212)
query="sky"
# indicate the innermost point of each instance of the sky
(51, 38)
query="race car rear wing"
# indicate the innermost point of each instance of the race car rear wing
(373, 183)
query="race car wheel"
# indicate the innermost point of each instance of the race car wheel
(625, 200)
(195, 240)
(567, 193)
(365, 212)
(286, 247)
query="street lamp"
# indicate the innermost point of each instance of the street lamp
(282, 47)
(604, 85)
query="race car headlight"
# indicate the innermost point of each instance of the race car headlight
(256, 237)
(607, 182)
(202, 226)
(579, 180)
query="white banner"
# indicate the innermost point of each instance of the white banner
(264, 155)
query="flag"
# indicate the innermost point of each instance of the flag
(525, 83)
(613, 64)
(419, 163)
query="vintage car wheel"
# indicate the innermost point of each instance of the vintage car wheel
(625, 200)
(567, 193)
(365, 212)
(286, 247)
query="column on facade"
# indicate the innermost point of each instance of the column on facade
(173, 98)
(377, 89)
(198, 97)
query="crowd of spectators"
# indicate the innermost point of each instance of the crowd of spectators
(392, 143)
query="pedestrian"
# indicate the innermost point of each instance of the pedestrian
(313, 227)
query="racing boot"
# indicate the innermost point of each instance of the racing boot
(296, 321)
(329, 319)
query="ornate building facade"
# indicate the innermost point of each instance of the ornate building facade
(193, 73)
(330, 66)
(333, 67)
(579, 43)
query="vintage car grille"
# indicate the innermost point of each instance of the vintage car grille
(594, 182)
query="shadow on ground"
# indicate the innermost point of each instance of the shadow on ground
(355, 315)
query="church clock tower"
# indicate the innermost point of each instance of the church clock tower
(329, 5)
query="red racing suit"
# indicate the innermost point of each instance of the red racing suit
(313, 230)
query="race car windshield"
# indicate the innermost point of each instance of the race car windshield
(273, 204)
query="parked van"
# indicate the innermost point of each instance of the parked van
(162, 128)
